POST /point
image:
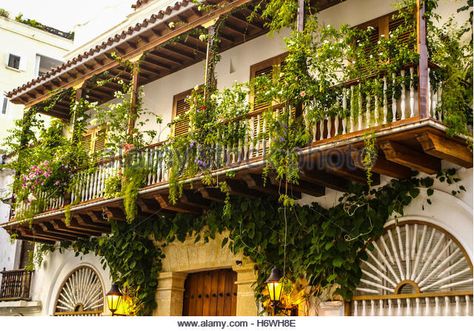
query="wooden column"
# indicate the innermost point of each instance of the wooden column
(300, 17)
(300, 28)
(423, 58)
(211, 53)
(79, 92)
(133, 113)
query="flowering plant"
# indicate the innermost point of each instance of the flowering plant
(37, 176)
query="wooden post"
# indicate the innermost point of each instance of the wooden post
(300, 28)
(423, 60)
(132, 118)
(212, 44)
(300, 17)
(79, 92)
(28, 115)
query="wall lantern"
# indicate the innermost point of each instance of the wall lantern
(114, 297)
(274, 287)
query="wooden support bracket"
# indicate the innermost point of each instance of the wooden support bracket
(410, 158)
(446, 149)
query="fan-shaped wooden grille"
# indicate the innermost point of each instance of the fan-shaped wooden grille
(418, 268)
(82, 292)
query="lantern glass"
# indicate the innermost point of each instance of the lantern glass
(274, 284)
(274, 289)
(114, 297)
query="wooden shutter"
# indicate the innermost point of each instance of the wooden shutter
(264, 68)
(100, 139)
(87, 141)
(407, 37)
(210, 293)
(181, 107)
(27, 248)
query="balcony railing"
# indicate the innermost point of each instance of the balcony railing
(361, 111)
(15, 285)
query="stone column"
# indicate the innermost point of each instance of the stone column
(246, 277)
(169, 294)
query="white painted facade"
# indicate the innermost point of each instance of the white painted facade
(32, 46)
(452, 213)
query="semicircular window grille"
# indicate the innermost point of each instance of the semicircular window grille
(414, 268)
(82, 293)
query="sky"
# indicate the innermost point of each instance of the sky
(66, 15)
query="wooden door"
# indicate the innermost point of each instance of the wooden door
(210, 293)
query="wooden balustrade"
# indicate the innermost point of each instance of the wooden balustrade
(15, 285)
(79, 313)
(393, 100)
(421, 304)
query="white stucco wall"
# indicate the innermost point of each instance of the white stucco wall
(26, 42)
(49, 277)
(8, 249)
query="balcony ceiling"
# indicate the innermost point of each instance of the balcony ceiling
(162, 57)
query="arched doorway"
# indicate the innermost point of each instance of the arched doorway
(415, 269)
(81, 293)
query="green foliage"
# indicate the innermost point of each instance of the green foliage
(113, 186)
(451, 50)
(325, 246)
(4, 13)
(212, 124)
(132, 258)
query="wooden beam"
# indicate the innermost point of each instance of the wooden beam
(37, 229)
(312, 189)
(178, 207)
(24, 235)
(50, 228)
(382, 166)
(114, 213)
(354, 174)
(239, 188)
(213, 194)
(242, 20)
(86, 222)
(193, 199)
(410, 158)
(255, 182)
(74, 226)
(148, 207)
(323, 178)
(446, 149)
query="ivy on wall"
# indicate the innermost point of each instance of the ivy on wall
(325, 246)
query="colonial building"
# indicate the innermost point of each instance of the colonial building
(27, 52)
(378, 129)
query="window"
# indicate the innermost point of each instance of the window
(181, 107)
(26, 253)
(14, 61)
(270, 68)
(4, 106)
(94, 140)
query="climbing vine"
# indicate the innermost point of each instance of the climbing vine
(325, 246)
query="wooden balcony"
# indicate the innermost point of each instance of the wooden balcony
(15, 285)
(407, 141)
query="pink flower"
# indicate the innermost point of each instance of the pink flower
(302, 94)
(127, 148)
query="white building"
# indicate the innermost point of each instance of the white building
(168, 73)
(25, 53)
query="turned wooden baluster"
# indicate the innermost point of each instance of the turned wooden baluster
(412, 93)
(385, 101)
(394, 101)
